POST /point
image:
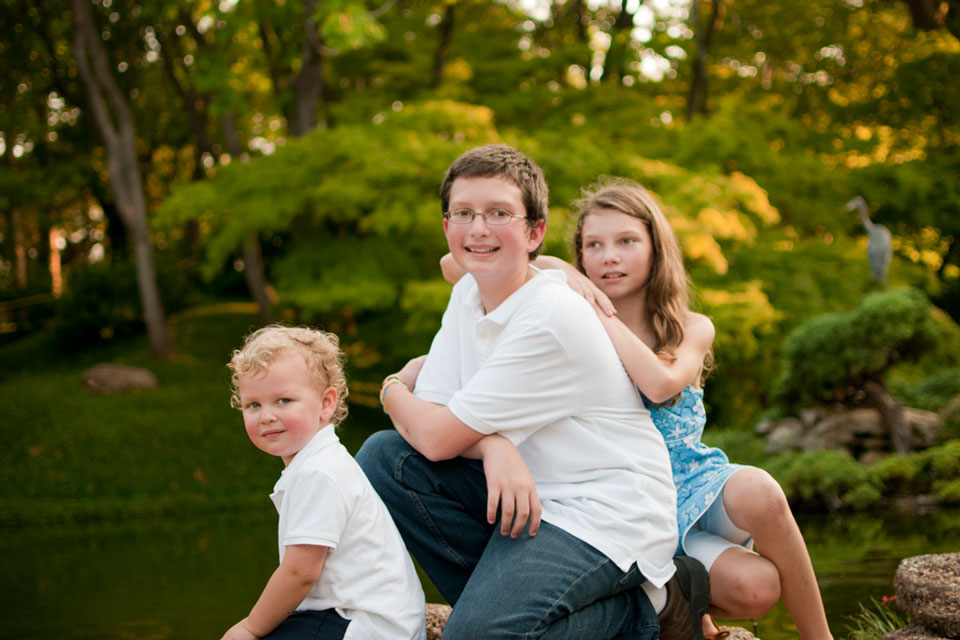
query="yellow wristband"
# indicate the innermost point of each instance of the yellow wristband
(387, 382)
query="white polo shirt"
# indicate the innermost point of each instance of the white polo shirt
(540, 370)
(324, 498)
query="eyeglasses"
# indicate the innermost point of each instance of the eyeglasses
(493, 217)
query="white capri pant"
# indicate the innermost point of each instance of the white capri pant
(713, 534)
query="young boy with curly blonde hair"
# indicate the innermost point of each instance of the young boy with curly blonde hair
(344, 571)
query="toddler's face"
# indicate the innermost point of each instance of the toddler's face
(282, 408)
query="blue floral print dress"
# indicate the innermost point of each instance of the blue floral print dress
(699, 471)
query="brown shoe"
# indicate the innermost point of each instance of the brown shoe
(688, 599)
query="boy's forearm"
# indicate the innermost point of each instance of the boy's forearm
(429, 428)
(286, 589)
(477, 450)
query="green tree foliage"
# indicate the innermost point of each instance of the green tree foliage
(804, 109)
(355, 208)
(832, 356)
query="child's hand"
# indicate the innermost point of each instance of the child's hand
(239, 631)
(408, 375)
(509, 485)
(583, 285)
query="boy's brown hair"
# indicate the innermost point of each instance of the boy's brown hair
(503, 161)
(319, 349)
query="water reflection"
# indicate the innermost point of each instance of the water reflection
(162, 580)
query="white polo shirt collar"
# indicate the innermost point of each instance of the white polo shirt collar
(502, 314)
(324, 438)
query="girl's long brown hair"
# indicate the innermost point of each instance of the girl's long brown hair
(668, 286)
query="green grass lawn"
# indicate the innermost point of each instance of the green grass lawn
(71, 455)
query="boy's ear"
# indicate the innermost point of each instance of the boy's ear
(537, 232)
(328, 404)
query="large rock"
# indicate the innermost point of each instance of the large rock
(924, 425)
(437, 615)
(784, 435)
(110, 378)
(860, 432)
(844, 429)
(928, 588)
(912, 632)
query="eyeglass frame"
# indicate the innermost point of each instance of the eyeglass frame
(448, 215)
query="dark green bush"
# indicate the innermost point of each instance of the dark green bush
(831, 479)
(830, 357)
(931, 471)
(102, 301)
(930, 394)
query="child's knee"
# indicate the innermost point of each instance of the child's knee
(753, 592)
(758, 499)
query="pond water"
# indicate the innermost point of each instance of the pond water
(193, 579)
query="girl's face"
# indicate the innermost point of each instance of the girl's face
(617, 252)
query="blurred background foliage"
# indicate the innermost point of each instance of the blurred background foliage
(290, 153)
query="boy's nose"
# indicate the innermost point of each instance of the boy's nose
(479, 225)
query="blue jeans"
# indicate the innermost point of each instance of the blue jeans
(550, 586)
(311, 625)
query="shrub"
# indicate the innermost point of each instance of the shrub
(101, 301)
(832, 479)
(830, 357)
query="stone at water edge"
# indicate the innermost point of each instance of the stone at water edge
(928, 588)
(437, 615)
(912, 632)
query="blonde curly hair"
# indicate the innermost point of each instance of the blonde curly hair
(320, 350)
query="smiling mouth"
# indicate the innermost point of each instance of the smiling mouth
(483, 250)
(271, 434)
(612, 276)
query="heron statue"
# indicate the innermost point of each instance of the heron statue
(879, 243)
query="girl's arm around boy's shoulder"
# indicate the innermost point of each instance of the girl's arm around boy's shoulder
(286, 589)
(662, 378)
(453, 272)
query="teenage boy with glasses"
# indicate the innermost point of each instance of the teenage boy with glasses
(523, 404)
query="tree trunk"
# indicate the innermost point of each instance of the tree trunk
(256, 278)
(308, 85)
(613, 62)
(697, 101)
(443, 47)
(117, 234)
(892, 415)
(253, 270)
(580, 15)
(19, 249)
(105, 99)
(928, 15)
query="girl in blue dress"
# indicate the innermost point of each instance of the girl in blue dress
(637, 282)
(635, 279)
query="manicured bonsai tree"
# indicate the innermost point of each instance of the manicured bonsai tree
(842, 357)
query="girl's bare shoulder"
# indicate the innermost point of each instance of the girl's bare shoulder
(698, 327)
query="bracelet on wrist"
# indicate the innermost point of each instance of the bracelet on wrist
(387, 383)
